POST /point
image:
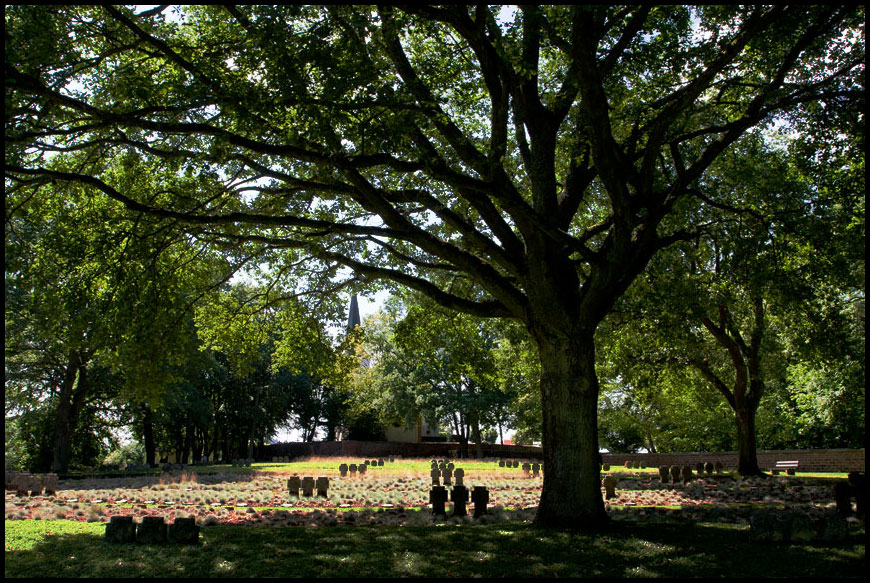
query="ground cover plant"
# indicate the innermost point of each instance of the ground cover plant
(380, 524)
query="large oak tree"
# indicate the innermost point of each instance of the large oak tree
(523, 163)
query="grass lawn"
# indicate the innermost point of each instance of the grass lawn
(77, 549)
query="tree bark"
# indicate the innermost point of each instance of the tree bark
(747, 458)
(571, 494)
(72, 397)
(148, 436)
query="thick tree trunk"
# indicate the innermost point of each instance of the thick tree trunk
(571, 495)
(148, 436)
(72, 397)
(747, 458)
(475, 435)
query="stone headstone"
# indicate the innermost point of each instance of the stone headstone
(435, 474)
(708, 468)
(322, 485)
(610, 487)
(437, 498)
(342, 469)
(459, 496)
(458, 475)
(605, 467)
(686, 474)
(362, 469)
(308, 486)
(293, 485)
(527, 468)
(447, 476)
(352, 469)
(718, 467)
(501, 463)
(121, 529)
(664, 474)
(536, 469)
(675, 474)
(151, 531)
(380, 462)
(480, 498)
(183, 531)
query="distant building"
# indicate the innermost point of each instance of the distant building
(353, 318)
(413, 433)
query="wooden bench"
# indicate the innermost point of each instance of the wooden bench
(789, 466)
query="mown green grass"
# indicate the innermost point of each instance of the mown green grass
(76, 549)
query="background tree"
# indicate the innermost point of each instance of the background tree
(542, 156)
(728, 305)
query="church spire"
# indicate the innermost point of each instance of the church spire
(353, 318)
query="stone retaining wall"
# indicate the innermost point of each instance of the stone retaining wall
(812, 460)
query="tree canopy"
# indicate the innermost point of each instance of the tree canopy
(523, 163)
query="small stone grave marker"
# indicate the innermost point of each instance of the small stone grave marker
(293, 485)
(322, 485)
(152, 530)
(610, 487)
(308, 486)
(184, 531)
(480, 498)
(664, 474)
(686, 474)
(121, 529)
(342, 469)
(459, 474)
(437, 498)
(460, 500)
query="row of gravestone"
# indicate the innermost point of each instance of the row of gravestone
(152, 530)
(125, 468)
(242, 463)
(683, 474)
(446, 474)
(308, 486)
(460, 498)
(352, 469)
(631, 465)
(25, 483)
(280, 459)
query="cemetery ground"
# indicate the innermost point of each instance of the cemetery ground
(380, 524)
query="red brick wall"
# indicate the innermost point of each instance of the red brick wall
(811, 460)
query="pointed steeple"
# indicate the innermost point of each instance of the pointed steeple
(353, 318)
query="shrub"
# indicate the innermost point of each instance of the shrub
(132, 453)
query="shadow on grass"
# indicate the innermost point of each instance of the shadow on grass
(497, 550)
